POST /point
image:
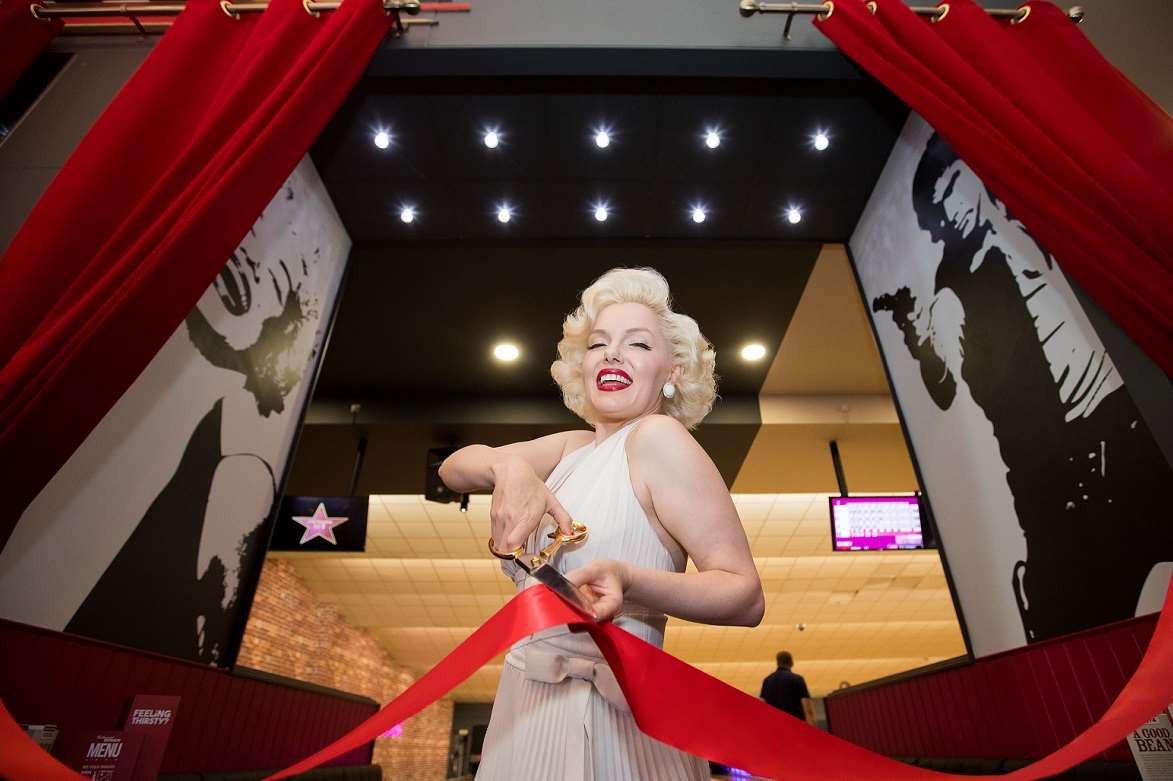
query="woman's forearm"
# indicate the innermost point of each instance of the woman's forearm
(471, 468)
(711, 597)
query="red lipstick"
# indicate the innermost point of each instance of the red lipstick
(616, 380)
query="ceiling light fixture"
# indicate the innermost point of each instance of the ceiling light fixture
(382, 139)
(504, 213)
(753, 352)
(712, 139)
(793, 215)
(601, 213)
(506, 352)
(407, 214)
(602, 138)
(820, 140)
(492, 138)
(698, 214)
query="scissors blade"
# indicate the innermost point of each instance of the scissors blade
(558, 583)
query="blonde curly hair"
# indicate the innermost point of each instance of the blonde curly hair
(696, 387)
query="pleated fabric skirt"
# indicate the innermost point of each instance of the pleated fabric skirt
(554, 731)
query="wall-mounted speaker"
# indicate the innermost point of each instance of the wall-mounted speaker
(434, 488)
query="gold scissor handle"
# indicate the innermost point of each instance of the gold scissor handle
(578, 534)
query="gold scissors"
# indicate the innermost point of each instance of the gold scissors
(538, 565)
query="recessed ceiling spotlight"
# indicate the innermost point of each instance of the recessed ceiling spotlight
(712, 138)
(820, 140)
(793, 215)
(382, 139)
(506, 352)
(602, 138)
(492, 138)
(601, 213)
(504, 213)
(698, 214)
(753, 352)
(407, 214)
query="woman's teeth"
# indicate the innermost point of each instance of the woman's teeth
(616, 381)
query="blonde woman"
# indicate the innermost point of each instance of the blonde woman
(641, 376)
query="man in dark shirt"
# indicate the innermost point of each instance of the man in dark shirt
(785, 690)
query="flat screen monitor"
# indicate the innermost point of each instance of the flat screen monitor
(876, 523)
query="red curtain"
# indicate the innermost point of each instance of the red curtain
(148, 208)
(1076, 152)
(22, 37)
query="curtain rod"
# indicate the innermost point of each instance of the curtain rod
(748, 8)
(410, 7)
(133, 11)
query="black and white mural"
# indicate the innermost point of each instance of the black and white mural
(147, 534)
(1048, 489)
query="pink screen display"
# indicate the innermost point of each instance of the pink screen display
(876, 523)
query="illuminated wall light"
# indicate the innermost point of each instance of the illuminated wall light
(712, 139)
(601, 213)
(793, 215)
(820, 140)
(492, 138)
(753, 352)
(602, 138)
(382, 139)
(407, 214)
(698, 214)
(504, 213)
(506, 352)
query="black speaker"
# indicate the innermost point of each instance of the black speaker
(434, 488)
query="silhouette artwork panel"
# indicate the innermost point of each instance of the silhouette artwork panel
(990, 322)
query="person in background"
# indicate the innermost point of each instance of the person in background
(786, 690)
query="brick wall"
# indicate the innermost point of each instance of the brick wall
(291, 633)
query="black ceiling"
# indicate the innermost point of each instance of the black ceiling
(425, 303)
(655, 168)
(418, 321)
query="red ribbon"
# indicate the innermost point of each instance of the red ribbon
(678, 704)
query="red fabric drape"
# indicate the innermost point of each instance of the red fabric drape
(149, 207)
(22, 37)
(1075, 151)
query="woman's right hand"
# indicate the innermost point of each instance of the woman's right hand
(520, 501)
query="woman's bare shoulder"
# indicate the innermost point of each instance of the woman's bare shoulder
(659, 431)
(573, 440)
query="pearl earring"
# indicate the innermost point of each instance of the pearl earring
(669, 390)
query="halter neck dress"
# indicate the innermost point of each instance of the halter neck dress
(559, 715)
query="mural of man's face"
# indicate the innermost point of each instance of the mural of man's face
(961, 198)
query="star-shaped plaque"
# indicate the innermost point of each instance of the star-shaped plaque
(320, 524)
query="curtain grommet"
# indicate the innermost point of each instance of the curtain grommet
(830, 6)
(225, 6)
(306, 5)
(1025, 14)
(944, 12)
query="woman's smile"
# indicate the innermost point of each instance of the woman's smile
(612, 380)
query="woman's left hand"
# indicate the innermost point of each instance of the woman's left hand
(604, 582)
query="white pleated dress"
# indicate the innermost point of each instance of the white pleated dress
(558, 714)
